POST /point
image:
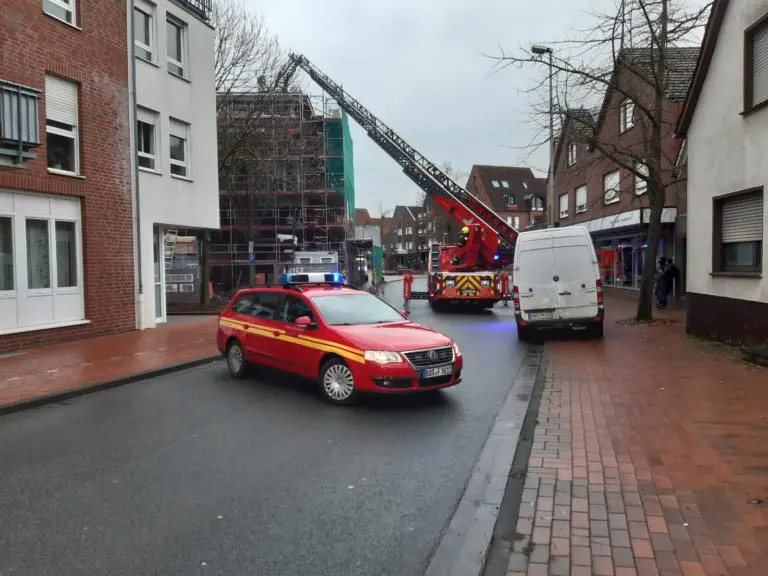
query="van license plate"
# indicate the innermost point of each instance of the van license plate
(541, 316)
(437, 371)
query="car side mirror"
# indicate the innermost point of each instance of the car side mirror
(305, 322)
(404, 314)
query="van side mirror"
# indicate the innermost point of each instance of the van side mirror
(305, 322)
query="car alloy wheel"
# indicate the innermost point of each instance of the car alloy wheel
(337, 382)
(236, 360)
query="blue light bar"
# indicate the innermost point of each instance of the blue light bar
(312, 278)
(496, 256)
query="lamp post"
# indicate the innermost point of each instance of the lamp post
(541, 50)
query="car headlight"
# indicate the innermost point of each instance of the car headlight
(456, 350)
(382, 357)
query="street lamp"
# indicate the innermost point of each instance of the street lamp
(541, 50)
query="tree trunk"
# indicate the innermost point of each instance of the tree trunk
(645, 303)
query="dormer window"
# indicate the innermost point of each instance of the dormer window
(571, 153)
(510, 199)
(626, 115)
(504, 184)
(495, 183)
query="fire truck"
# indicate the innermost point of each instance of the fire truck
(469, 271)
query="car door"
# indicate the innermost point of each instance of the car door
(263, 337)
(577, 272)
(535, 278)
(239, 320)
(301, 353)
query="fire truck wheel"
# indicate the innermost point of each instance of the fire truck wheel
(437, 306)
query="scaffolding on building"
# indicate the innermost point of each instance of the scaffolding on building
(290, 188)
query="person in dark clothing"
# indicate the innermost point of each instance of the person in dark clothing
(671, 276)
(661, 285)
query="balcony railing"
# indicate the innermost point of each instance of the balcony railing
(19, 126)
(202, 8)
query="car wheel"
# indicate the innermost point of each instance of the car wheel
(236, 360)
(337, 384)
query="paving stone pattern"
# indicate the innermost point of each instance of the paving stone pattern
(647, 451)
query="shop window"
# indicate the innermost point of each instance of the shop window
(66, 255)
(738, 233)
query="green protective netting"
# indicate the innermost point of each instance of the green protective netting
(340, 174)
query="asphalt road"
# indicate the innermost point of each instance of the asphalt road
(196, 474)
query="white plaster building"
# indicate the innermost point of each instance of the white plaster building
(176, 176)
(725, 122)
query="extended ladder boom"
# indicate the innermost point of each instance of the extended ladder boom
(465, 206)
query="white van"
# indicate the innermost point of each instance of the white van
(556, 282)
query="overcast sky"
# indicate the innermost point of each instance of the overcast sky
(419, 66)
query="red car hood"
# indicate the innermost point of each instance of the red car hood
(398, 337)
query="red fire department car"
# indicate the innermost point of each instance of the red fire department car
(348, 339)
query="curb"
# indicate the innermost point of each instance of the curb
(105, 385)
(464, 547)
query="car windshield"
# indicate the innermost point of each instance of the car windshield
(346, 310)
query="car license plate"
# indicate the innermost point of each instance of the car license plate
(437, 371)
(541, 316)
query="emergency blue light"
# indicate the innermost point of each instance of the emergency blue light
(312, 278)
(496, 256)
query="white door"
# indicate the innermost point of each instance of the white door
(576, 274)
(159, 277)
(534, 278)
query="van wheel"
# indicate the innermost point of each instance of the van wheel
(523, 333)
(597, 332)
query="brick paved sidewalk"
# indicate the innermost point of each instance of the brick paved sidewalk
(647, 450)
(59, 368)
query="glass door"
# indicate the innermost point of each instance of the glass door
(159, 275)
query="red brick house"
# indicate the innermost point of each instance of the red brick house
(594, 190)
(404, 238)
(513, 193)
(66, 234)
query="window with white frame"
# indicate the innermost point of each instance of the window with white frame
(61, 125)
(571, 153)
(146, 138)
(144, 30)
(7, 283)
(179, 147)
(537, 204)
(504, 184)
(626, 115)
(641, 183)
(176, 41)
(517, 222)
(41, 273)
(510, 199)
(611, 183)
(63, 10)
(564, 205)
(581, 199)
(409, 230)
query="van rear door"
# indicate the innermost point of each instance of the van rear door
(534, 278)
(577, 272)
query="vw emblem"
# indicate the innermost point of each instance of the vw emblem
(432, 355)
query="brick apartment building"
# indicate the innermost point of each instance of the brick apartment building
(595, 191)
(66, 235)
(513, 193)
(404, 238)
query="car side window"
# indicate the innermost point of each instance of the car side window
(296, 308)
(268, 306)
(243, 304)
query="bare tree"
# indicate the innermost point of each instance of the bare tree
(628, 67)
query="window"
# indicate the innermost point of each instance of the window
(175, 32)
(517, 222)
(564, 205)
(409, 230)
(504, 184)
(641, 184)
(143, 32)
(6, 254)
(738, 230)
(38, 255)
(510, 199)
(18, 120)
(626, 115)
(355, 309)
(60, 9)
(243, 304)
(611, 184)
(268, 305)
(581, 199)
(66, 255)
(756, 64)
(179, 148)
(295, 308)
(495, 183)
(571, 153)
(61, 125)
(146, 143)
(537, 204)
